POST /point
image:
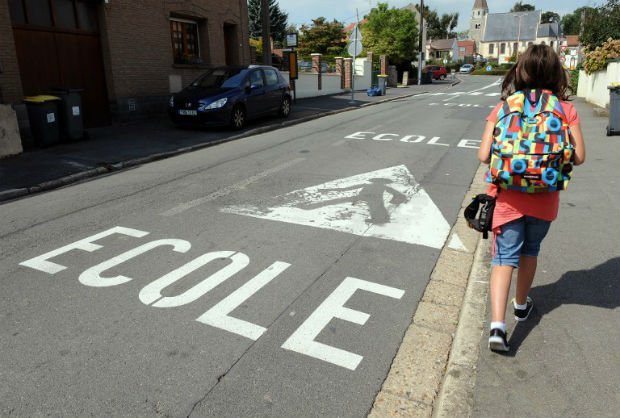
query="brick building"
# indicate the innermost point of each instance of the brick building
(126, 55)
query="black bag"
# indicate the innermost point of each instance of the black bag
(479, 214)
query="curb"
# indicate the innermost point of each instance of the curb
(430, 374)
(10, 194)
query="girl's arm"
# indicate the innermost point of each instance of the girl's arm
(484, 153)
(579, 144)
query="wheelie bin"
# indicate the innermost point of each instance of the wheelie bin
(43, 116)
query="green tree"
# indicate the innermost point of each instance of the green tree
(392, 32)
(600, 24)
(521, 7)
(447, 24)
(278, 20)
(571, 22)
(321, 37)
(549, 17)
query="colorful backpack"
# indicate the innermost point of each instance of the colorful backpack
(532, 150)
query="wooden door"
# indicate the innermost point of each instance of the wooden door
(62, 51)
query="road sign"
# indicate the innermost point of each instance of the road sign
(489, 68)
(355, 48)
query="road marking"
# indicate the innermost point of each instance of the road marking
(41, 262)
(456, 243)
(230, 189)
(387, 204)
(303, 339)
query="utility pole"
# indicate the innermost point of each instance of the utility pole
(420, 42)
(266, 24)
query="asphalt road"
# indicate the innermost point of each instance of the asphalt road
(274, 275)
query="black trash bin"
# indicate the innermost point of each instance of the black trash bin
(70, 109)
(43, 117)
(614, 111)
(427, 77)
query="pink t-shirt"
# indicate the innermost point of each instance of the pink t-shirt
(512, 204)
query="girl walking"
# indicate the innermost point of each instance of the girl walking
(521, 220)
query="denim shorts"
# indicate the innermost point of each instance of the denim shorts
(520, 237)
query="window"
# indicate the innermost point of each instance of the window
(502, 48)
(530, 43)
(551, 44)
(515, 47)
(461, 49)
(185, 46)
(477, 25)
(256, 78)
(272, 77)
(55, 14)
(491, 48)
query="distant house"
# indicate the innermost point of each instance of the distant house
(571, 53)
(501, 35)
(447, 49)
(467, 48)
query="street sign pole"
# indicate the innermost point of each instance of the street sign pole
(356, 39)
(420, 42)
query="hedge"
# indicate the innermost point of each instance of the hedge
(482, 71)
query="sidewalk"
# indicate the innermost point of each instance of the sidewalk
(564, 361)
(117, 147)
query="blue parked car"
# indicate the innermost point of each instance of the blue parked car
(231, 96)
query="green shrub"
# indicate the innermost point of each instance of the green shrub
(597, 59)
(573, 81)
(483, 71)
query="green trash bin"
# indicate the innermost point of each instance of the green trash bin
(70, 113)
(43, 116)
(614, 110)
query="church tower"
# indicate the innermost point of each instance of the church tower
(478, 21)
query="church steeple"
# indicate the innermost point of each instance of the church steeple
(481, 4)
(478, 21)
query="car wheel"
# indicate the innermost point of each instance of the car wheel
(237, 119)
(442, 77)
(285, 107)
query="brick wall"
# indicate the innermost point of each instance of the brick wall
(10, 81)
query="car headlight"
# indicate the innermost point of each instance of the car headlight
(171, 101)
(214, 105)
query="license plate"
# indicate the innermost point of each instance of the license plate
(185, 112)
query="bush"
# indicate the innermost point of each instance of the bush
(573, 81)
(598, 59)
(496, 71)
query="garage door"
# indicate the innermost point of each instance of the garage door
(58, 45)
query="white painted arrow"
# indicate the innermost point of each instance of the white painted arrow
(387, 204)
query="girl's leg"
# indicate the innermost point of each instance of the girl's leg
(500, 286)
(525, 277)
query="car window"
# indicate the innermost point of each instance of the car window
(236, 80)
(216, 77)
(256, 78)
(271, 76)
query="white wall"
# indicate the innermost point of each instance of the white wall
(307, 83)
(593, 87)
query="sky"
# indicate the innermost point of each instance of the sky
(303, 11)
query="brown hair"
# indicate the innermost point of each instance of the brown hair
(539, 67)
